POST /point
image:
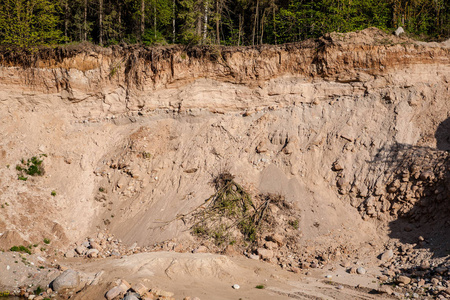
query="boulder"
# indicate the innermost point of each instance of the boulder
(69, 279)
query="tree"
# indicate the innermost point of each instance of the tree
(29, 23)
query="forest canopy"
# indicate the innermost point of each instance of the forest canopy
(29, 23)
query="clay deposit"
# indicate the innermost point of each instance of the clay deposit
(350, 130)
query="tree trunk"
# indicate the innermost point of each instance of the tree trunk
(240, 29)
(85, 20)
(173, 23)
(255, 23)
(205, 22)
(100, 22)
(66, 18)
(154, 20)
(218, 22)
(142, 19)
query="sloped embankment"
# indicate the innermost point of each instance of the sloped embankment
(133, 137)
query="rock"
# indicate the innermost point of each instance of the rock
(148, 296)
(253, 256)
(328, 276)
(403, 279)
(70, 253)
(383, 278)
(114, 292)
(130, 296)
(385, 289)
(140, 288)
(387, 255)
(162, 293)
(231, 251)
(276, 238)
(262, 147)
(200, 249)
(295, 270)
(341, 183)
(96, 246)
(236, 286)
(270, 245)
(361, 271)
(265, 253)
(337, 166)
(96, 278)
(81, 250)
(69, 279)
(399, 31)
(115, 253)
(92, 253)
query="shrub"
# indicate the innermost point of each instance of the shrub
(20, 249)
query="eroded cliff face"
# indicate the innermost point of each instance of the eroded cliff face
(134, 135)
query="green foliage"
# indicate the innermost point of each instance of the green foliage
(46, 241)
(32, 166)
(53, 193)
(20, 249)
(29, 23)
(260, 286)
(38, 290)
(231, 209)
(150, 37)
(294, 223)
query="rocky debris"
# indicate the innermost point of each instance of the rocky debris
(104, 245)
(414, 186)
(69, 279)
(236, 286)
(137, 291)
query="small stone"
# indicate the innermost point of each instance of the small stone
(130, 296)
(236, 286)
(328, 276)
(403, 279)
(253, 256)
(361, 271)
(140, 288)
(276, 238)
(337, 166)
(270, 245)
(434, 281)
(95, 245)
(340, 287)
(92, 253)
(70, 253)
(385, 289)
(200, 249)
(81, 250)
(383, 278)
(295, 270)
(114, 292)
(162, 293)
(69, 279)
(265, 253)
(387, 255)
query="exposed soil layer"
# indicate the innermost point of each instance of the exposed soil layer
(349, 132)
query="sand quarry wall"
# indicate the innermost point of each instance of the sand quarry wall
(134, 135)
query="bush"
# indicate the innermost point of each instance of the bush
(20, 249)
